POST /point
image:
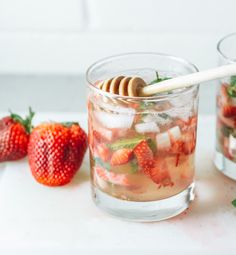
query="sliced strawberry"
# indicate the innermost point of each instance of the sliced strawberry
(229, 111)
(177, 146)
(226, 148)
(105, 136)
(223, 97)
(103, 152)
(189, 142)
(160, 174)
(121, 156)
(118, 179)
(176, 140)
(227, 121)
(144, 155)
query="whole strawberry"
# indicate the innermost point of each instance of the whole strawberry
(14, 136)
(56, 151)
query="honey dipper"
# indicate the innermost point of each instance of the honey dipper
(136, 86)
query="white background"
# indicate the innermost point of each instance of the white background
(46, 45)
(65, 36)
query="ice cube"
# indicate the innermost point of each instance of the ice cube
(181, 112)
(163, 141)
(112, 120)
(159, 118)
(149, 118)
(232, 145)
(175, 133)
(116, 108)
(181, 100)
(106, 133)
(147, 127)
(99, 180)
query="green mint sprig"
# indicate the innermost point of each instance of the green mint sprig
(231, 90)
(234, 202)
(158, 79)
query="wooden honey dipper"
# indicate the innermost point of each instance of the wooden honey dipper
(136, 86)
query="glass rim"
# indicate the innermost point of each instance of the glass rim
(220, 51)
(156, 97)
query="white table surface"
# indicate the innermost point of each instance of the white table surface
(35, 219)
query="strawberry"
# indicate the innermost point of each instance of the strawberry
(144, 156)
(121, 156)
(154, 169)
(118, 179)
(14, 136)
(189, 142)
(159, 173)
(223, 97)
(226, 121)
(160, 176)
(229, 111)
(56, 151)
(103, 152)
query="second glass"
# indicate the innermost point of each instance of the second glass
(142, 149)
(225, 154)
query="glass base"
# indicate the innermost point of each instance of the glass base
(144, 211)
(224, 165)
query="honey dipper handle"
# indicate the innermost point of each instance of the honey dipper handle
(189, 80)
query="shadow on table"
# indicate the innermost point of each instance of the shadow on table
(214, 192)
(83, 175)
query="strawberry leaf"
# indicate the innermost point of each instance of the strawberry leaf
(27, 122)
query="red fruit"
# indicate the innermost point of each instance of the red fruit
(229, 111)
(103, 152)
(160, 174)
(14, 136)
(189, 142)
(176, 146)
(227, 121)
(102, 135)
(144, 156)
(223, 97)
(121, 156)
(118, 179)
(56, 151)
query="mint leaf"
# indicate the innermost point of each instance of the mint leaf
(134, 166)
(233, 81)
(152, 145)
(144, 105)
(234, 202)
(129, 143)
(226, 131)
(164, 115)
(105, 165)
(231, 90)
(158, 79)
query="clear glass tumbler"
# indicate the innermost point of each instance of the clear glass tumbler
(142, 148)
(225, 154)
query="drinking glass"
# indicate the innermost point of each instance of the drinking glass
(142, 148)
(225, 153)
